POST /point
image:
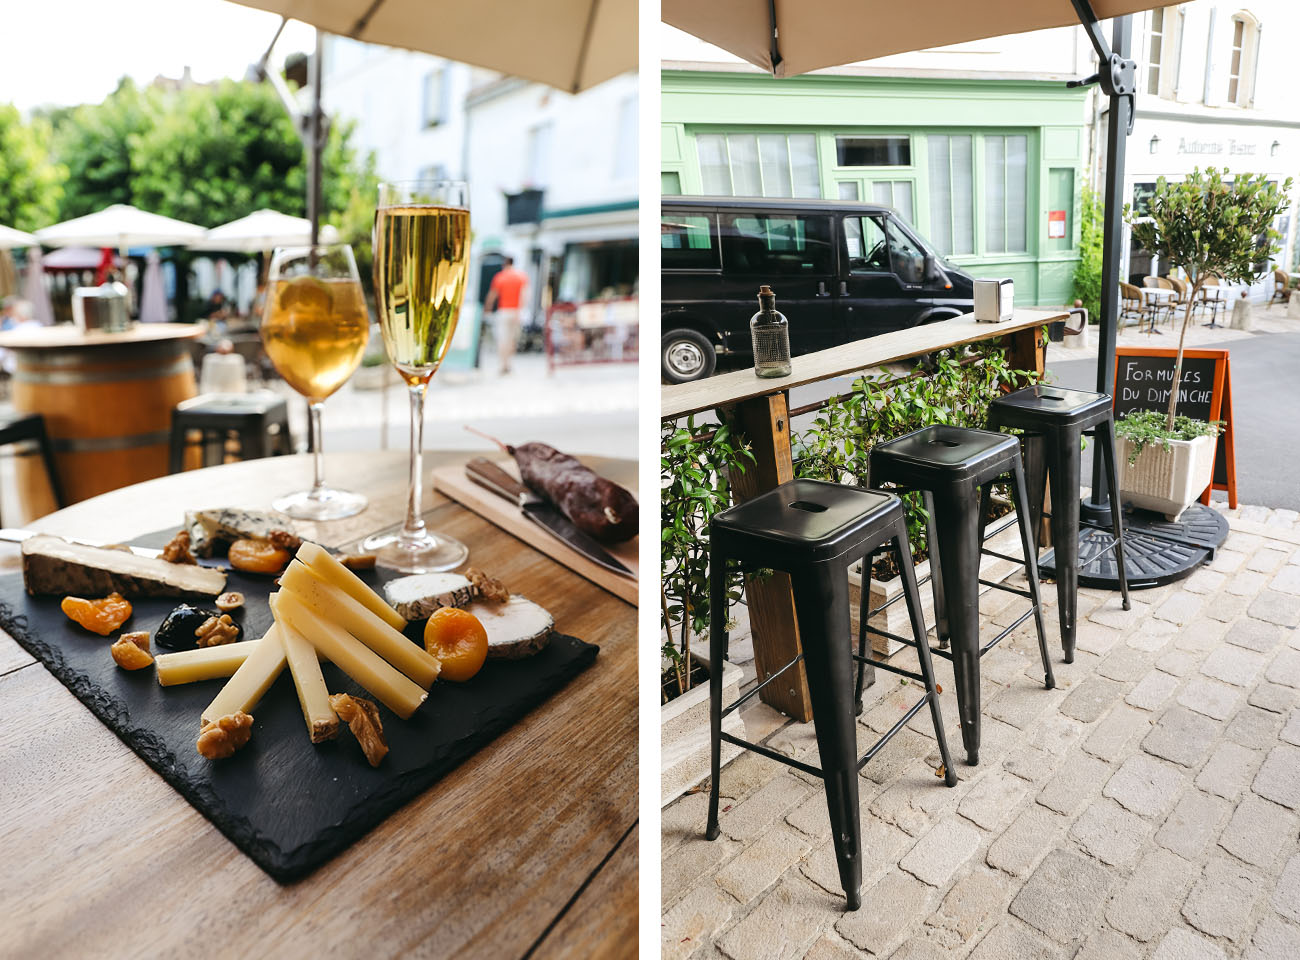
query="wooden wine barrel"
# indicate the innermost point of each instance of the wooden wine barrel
(107, 400)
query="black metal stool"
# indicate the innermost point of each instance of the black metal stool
(815, 531)
(260, 419)
(32, 427)
(1054, 421)
(954, 469)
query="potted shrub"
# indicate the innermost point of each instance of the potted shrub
(696, 464)
(1208, 227)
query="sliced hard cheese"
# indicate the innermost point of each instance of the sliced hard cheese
(517, 628)
(330, 603)
(205, 663)
(253, 678)
(52, 565)
(418, 597)
(322, 721)
(398, 693)
(330, 570)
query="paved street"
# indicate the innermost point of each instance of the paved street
(1148, 807)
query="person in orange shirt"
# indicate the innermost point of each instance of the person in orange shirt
(504, 298)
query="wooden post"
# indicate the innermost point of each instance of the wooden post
(1027, 350)
(765, 423)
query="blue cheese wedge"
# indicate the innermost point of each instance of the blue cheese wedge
(210, 527)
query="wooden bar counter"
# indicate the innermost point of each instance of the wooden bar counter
(762, 412)
(107, 400)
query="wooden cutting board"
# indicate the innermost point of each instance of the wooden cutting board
(454, 483)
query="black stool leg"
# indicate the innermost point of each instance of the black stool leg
(1106, 441)
(904, 554)
(1063, 475)
(864, 608)
(956, 516)
(1020, 499)
(717, 645)
(821, 604)
(941, 630)
(252, 442)
(47, 455)
(176, 455)
(1034, 456)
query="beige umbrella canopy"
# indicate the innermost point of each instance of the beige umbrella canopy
(120, 226)
(568, 44)
(10, 238)
(263, 230)
(812, 34)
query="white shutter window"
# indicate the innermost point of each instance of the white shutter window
(745, 178)
(1017, 152)
(940, 194)
(715, 173)
(963, 195)
(995, 214)
(807, 181)
(774, 153)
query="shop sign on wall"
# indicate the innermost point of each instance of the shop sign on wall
(1055, 224)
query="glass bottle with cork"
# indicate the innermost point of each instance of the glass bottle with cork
(770, 333)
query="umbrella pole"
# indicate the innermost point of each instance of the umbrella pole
(1117, 75)
(315, 141)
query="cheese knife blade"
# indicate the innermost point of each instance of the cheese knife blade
(491, 477)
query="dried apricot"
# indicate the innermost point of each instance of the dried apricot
(257, 556)
(98, 616)
(458, 640)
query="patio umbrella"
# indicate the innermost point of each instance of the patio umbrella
(10, 238)
(261, 231)
(121, 226)
(35, 290)
(153, 300)
(568, 44)
(789, 37)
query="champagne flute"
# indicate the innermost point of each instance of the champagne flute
(421, 246)
(314, 329)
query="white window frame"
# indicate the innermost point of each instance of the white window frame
(1171, 52)
(1247, 59)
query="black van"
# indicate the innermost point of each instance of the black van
(841, 272)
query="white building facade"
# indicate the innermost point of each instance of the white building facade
(553, 176)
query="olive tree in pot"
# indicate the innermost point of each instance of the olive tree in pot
(1208, 226)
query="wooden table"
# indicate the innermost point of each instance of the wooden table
(762, 413)
(531, 842)
(107, 400)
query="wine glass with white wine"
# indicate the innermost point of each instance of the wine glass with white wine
(314, 329)
(421, 246)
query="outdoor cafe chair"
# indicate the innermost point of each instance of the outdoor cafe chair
(1281, 287)
(1134, 305)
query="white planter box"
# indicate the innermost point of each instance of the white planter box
(895, 619)
(1166, 480)
(684, 734)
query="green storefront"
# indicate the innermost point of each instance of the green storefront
(988, 170)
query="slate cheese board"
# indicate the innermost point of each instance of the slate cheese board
(287, 804)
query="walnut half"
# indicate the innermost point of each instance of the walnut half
(362, 718)
(215, 631)
(487, 588)
(178, 549)
(219, 739)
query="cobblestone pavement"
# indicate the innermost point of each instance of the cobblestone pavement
(1146, 808)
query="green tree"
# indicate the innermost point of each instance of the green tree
(1087, 275)
(93, 141)
(29, 182)
(1209, 226)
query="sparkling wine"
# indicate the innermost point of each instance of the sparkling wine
(421, 261)
(315, 331)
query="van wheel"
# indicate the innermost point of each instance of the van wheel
(687, 355)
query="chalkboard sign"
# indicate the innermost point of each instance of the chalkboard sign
(1144, 377)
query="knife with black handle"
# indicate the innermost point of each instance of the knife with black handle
(541, 512)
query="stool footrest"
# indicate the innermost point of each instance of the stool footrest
(1005, 633)
(1018, 561)
(772, 754)
(891, 636)
(920, 582)
(887, 736)
(872, 662)
(996, 585)
(760, 686)
(1002, 527)
(1114, 542)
